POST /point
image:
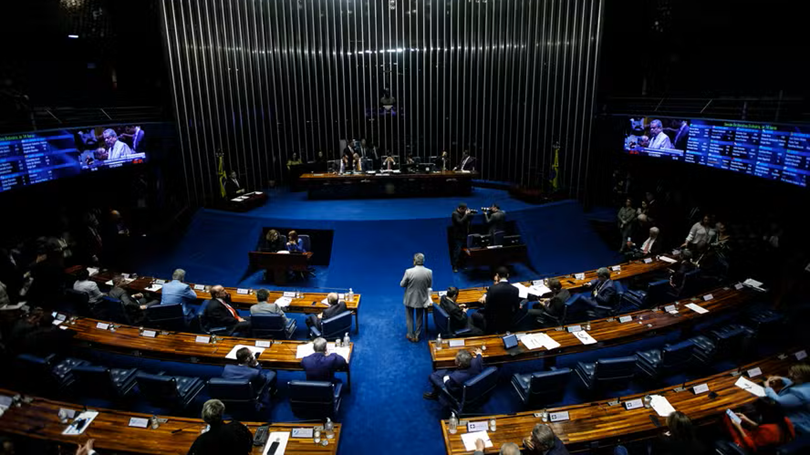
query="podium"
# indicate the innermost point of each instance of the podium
(277, 264)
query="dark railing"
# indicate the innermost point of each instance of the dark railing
(45, 118)
(779, 109)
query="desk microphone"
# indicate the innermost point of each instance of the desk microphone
(180, 430)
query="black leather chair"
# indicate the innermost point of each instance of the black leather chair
(272, 325)
(657, 292)
(169, 317)
(497, 237)
(334, 327)
(442, 321)
(80, 303)
(603, 311)
(103, 382)
(207, 327)
(474, 393)
(765, 322)
(175, 392)
(541, 388)
(549, 320)
(45, 375)
(691, 284)
(720, 343)
(239, 395)
(315, 399)
(657, 363)
(114, 310)
(606, 374)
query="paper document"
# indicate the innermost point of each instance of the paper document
(661, 405)
(282, 252)
(531, 342)
(668, 259)
(754, 284)
(125, 281)
(154, 288)
(750, 386)
(80, 423)
(548, 342)
(523, 291)
(284, 301)
(584, 337)
(469, 440)
(696, 308)
(232, 355)
(282, 437)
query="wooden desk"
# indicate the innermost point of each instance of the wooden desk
(242, 301)
(606, 425)
(183, 347)
(493, 257)
(630, 269)
(277, 264)
(252, 200)
(39, 419)
(607, 332)
(336, 186)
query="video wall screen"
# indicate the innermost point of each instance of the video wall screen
(774, 152)
(41, 156)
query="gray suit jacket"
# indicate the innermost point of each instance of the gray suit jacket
(266, 308)
(416, 282)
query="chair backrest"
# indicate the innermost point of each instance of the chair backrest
(614, 372)
(677, 354)
(441, 319)
(268, 325)
(497, 237)
(657, 292)
(80, 302)
(157, 388)
(691, 282)
(336, 325)
(114, 310)
(305, 240)
(476, 390)
(35, 373)
(93, 380)
(160, 313)
(312, 399)
(729, 338)
(231, 390)
(548, 386)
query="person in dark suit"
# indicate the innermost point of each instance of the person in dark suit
(467, 162)
(232, 186)
(501, 302)
(232, 438)
(650, 247)
(248, 367)
(272, 242)
(467, 367)
(551, 313)
(679, 271)
(335, 308)
(458, 313)
(134, 304)
(543, 441)
(321, 366)
(603, 293)
(219, 312)
(461, 228)
(495, 219)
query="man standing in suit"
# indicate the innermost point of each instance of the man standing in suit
(321, 366)
(334, 308)
(461, 228)
(176, 291)
(467, 367)
(248, 367)
(495, 219)
(552, 312)
(501, 302)
(458, 313)
(417, 282)
(219, 312)
(134, 304)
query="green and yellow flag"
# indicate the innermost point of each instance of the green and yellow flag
(221, 174)
(554, 176)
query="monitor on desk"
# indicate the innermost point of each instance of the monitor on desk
(511, 240)
(478, 241)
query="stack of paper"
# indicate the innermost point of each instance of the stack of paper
(283, 301)
(584, 337)
(538, 340)
(523, 291)
(469, 439)
(750, 386)
(92, 270)
(754, 284)
(154, 288)
(697, 308)
(535, 289)
(661, 405)
(668, 259)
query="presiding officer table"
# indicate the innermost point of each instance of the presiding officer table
(308, 303)
(388, 184)
(39, 419)
(608, 422)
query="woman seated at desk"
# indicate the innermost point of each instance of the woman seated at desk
(272, 242)
(295, 244)
(389, 163)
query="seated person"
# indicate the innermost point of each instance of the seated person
(389, 163)
(651, 247)
(410, 164)
(772, 431)
(793, 395)
(544, 442)
(263, 307)
(679, 271)
(176, 291)
(509, 448)
(219, 312)
(467, 367)
(232, 186)
(46, 338)
(272, 242)
(358, 163)
(294, 243)
(321, 366)
(134, 304)
(458, 313)
(603, 293)
(334, 308)
(680, 438)
(248, 367)
(232, 438)
(549, 313)
(84, 285)
(346, 164)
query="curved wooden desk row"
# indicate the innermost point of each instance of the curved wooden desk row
(243, 300)
(39, 419)
(626, 270)
(607, 332)
(184, 347)
(609, 422)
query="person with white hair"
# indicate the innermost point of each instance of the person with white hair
(659, 140)
(115, 149)
(651, 247)
(417, 282)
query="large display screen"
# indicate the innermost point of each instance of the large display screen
(775, 152)
(30, 158)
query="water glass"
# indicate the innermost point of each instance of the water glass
(492, 425)
(647, 401)
(544, 416)
(317, 436)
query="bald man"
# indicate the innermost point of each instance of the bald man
(219, 312)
